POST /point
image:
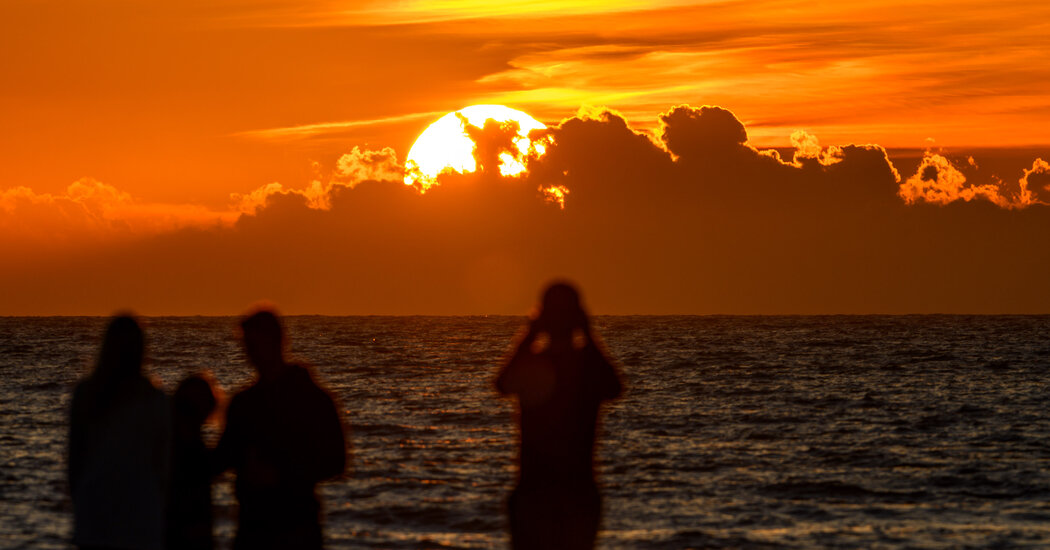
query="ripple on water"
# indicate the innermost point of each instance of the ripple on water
(735, 432)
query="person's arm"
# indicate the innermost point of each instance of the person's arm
(162, 440)
(332, 452)
(509, 380)
(230, 446)
(611, 387)
(316, 451)
(77, 440)
(608, 381)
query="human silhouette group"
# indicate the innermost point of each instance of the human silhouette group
(140, 473)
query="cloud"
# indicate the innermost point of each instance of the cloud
(806, 146)
(90, 212)
(938, 181)
(691, 219)
(89, 209)
(826, 66)
(361, 165)
(1035, 184)
(408, 13)
(310, 130)
(704, 132)
(350, 169)
(555, 194)
(494, 143)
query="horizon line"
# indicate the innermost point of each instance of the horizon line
(592, 315)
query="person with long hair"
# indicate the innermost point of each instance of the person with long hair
(559, 388)
(119, 447)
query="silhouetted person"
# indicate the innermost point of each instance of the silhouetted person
(119, 448)
(283, 436)
(556, 504)
(189, 514)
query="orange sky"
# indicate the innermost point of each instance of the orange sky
(129, 128)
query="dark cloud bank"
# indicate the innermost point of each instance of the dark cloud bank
(691, 221)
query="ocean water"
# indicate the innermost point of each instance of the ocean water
(734, 432)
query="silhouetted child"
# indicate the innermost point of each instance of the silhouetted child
(119, 447)
(283, 436)
(189, 499)
(556, 504)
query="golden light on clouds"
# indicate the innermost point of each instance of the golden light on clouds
(428, 11)
(229, 124)
(939, 181)
(447, 144)
(556, 194)
(90, 211)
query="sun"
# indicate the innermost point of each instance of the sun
(445, 145)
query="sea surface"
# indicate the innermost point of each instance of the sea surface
(734, 432)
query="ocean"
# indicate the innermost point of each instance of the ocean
(733, 432)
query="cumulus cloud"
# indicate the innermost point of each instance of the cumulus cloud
(806, 145)
(363, 165)
(350, 169)
(808, 150)
(703, 156)
(1035, 184)
(707, 131)
(692, 218)
(494, 143)
(939, 181)
(92, 209)
(555, 194)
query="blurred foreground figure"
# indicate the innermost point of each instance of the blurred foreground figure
(556, 504)
(119, 448)
(283, 436)
(189, 513)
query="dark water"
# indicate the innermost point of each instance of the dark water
(735, 432)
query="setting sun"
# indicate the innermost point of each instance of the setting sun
(447, 146)
(795, 231)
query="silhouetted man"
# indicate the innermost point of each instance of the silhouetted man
(283, 436)
(556, 504)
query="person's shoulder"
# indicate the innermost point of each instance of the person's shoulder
(81, 390)
(150, 388)
(82, 387)
(604, 372)
(302, 376)
(304, 382)
(299, 370)
(593, 355)
(243, 395)
(144, 393)
(155, 395)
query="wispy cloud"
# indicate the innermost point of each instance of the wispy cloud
(309, 130)
(374, 13)
(902, 75)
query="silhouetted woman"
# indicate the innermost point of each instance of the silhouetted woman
(189, 514)
(556, 504)
(119, 448)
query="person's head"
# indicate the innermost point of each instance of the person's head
(123, 347)
(561, 312)
(194, 400)
(263, 340)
